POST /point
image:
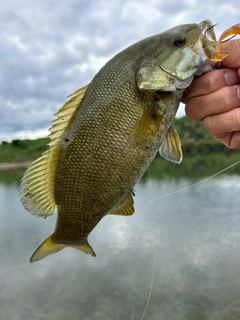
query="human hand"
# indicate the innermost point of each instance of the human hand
(214, 98)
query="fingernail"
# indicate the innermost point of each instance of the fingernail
(238, 91)
(231, 77)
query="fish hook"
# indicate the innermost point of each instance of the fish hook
(205, 33)
(234, 30)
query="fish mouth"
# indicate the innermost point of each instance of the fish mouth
(205, 46)
(207, 31)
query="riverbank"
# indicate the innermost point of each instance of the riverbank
(194, 139)
(13, 165)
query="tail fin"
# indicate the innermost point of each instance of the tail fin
(49, 246)
(85, 247)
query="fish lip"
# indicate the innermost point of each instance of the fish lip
(205, 46)
(207, 25)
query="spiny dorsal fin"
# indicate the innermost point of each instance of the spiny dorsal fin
(126, 207)
(37, 185)
(171, 146)
(64, 114)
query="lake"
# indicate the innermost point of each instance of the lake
(176, 258)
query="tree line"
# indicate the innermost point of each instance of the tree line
(193, 136)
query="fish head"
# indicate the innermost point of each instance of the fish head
(177, 56)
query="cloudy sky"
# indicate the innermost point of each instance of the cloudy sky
(50, 48)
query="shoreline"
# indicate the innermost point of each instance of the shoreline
(15, 165)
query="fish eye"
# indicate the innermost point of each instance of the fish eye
(179, 40)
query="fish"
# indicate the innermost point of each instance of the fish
(107, 134)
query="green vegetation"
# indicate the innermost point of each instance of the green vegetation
(11, 176)
(194, 138)
(202, 155)
(194, 166)
(21, 150)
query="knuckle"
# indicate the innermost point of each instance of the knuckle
(215, 80)
(228, 97)
(209, 124)
(235, 117)
(192, 109)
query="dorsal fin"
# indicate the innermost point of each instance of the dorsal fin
(64, 114)
(37, 185)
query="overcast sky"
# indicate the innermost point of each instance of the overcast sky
(50, 48)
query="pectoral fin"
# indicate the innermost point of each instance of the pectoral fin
(48, 246)
(126, 207)
(171, 146)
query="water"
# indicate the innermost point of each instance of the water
(190, 239)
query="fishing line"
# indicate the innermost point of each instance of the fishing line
(128, 242)
(133, 312)
(237, 43)
(164, 196)
(223, 41)
(154, 252)
(205, 33)
(195, 184)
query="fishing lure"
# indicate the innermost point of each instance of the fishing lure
(219, 56)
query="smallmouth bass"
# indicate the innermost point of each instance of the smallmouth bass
(105, 137)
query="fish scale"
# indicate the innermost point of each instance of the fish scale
(108, 133)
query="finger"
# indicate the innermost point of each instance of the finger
(225, 127)
(210, 82)
(233, 47)
(235, 140)
(223, 100)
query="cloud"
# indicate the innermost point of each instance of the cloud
(51, 48)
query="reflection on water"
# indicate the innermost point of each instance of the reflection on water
(190, 239)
